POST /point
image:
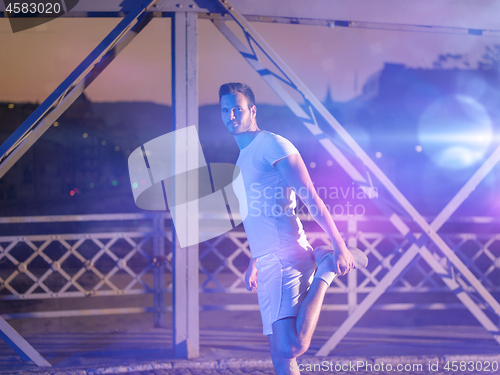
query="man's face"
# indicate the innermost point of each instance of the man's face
(236, 115)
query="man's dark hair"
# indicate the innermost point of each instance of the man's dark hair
(234, 87)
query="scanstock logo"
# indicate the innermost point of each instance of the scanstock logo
(171, 171)
(26, 14)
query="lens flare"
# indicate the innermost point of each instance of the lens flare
(455, 131)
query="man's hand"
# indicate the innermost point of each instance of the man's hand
(251, 276)
(343, 260)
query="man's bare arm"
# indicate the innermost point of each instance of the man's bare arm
(294, 171)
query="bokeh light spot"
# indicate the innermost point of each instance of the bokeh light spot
(418, 148)
(143, 182)
(114, 183)
(11, 106)
(135, 185)
(312, 165)
(329, 163)
(117, 148)
(85, 135)
(455, 131)
(92, 185)
(103, 142)
(378, 154)
(71, 193)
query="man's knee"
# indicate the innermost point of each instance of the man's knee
(287, 344)
(291, 350)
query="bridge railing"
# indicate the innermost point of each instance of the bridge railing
(92, 256)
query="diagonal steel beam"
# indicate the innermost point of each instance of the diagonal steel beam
(402, 263)
(72, 87)
(418, 247)
(50, 110)
(389, 278)
(312, 126)
(20, 345)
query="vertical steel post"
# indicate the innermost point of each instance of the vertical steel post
(352, 276)
(159, 270)
(184, 114)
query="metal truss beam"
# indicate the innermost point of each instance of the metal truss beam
(330, 23)
(430, 231)
(342, 23)
(211, 12)
(418, 248)
(68, 91)
(446, 13)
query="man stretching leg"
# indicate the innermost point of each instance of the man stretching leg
(292, 279)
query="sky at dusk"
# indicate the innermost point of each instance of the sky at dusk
(34, 62)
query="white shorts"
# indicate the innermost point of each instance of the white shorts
(283, 279)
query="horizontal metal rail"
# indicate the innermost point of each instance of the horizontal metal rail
(139, 216)
(331, 23)
(226, 307)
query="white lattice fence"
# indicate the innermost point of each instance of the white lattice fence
(481, 252)
(75, 265)
(124, 263)
(118, 263)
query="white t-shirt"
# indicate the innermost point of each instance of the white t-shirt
(271, 223)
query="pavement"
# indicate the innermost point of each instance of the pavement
(243, 350)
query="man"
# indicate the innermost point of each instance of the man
(283, 266)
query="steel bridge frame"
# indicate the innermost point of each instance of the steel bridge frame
(342, 147)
